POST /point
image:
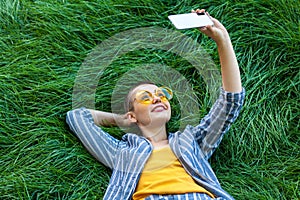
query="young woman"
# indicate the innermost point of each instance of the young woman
(157, 164)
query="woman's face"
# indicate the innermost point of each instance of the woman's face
(156, 113)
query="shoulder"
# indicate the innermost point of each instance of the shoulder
(188, 131)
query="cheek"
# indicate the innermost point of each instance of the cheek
(169, 110)
(169, 113)
(143, 114)
(169, 106)
(142, 110)
(141, 107)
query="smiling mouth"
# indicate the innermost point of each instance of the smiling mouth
(159, 108)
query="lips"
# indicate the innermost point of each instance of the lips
(159, 108)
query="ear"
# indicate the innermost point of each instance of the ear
(131, 116)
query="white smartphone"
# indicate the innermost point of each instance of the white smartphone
(190, 20)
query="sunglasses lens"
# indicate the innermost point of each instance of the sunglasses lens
(144, 97)
(166, 93)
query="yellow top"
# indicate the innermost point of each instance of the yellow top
(164, 174)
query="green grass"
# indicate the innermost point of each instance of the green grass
(43, 44)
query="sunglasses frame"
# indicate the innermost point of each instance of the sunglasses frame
(166, 91)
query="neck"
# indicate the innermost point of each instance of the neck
(155, 135)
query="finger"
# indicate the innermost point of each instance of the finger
(212, 18)
(209, 27)
(200, 10)
(207, 30)
(203, 28)
(208, 14)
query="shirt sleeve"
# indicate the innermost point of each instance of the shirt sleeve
(99, 143)
(217, 122)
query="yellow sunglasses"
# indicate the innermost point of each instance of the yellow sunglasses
(146, 97)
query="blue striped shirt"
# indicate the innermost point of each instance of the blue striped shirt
(127, 157)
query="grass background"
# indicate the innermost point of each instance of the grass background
(43, 44)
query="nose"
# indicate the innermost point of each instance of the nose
(156, 99)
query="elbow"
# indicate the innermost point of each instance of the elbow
(71, 117)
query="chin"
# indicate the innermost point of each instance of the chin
(161, 120)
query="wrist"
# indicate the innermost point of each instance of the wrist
(224, 40)
(121, 120)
